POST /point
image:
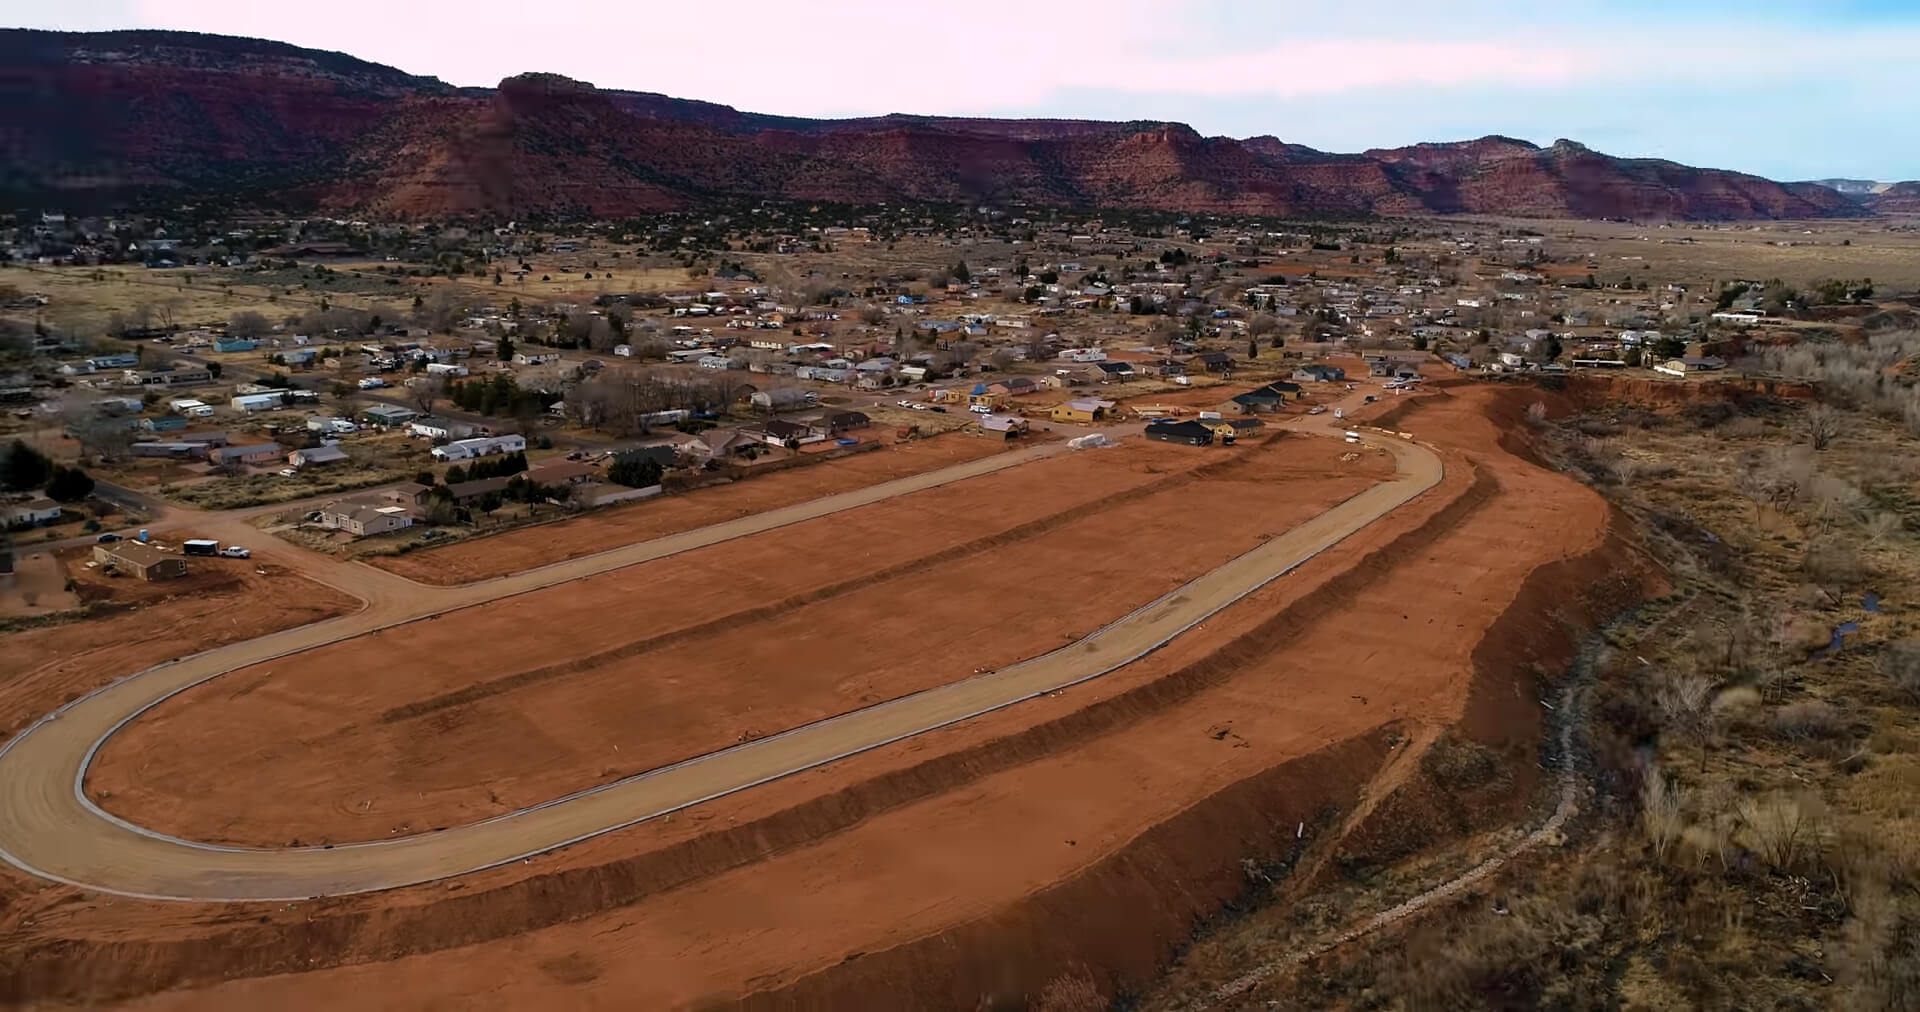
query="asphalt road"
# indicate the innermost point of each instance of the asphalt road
(52, 830)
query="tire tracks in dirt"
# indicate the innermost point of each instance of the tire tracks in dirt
(735, 620)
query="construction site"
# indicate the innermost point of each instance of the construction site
(695, 756)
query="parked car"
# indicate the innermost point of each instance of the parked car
(980, 409)
(288, 472)
(107, 539)
(1317, 409)
(236, 552)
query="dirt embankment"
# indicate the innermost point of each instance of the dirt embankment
(1594, 388)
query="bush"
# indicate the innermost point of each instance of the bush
(1808, 720)
(1900, 662)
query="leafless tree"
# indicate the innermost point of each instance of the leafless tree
(426, 392)
(99, 435)
(1822, 425)
(250, 325)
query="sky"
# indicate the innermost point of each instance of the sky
(1790, 89)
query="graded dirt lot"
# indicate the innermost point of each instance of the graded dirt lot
(1037, 836)
(481, 558)
(513, 703)
(967, 865)
(146, 623)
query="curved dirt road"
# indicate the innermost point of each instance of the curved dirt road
(54, 831)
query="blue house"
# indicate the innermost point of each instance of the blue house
(234, 344)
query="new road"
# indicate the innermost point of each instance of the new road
(53, 830)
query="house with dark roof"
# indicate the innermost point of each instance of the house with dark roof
(1189, 433)
(1261, 401)
(1210, 361)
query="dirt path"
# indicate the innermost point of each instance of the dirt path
(57, 833)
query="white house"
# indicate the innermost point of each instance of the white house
(438, 428)
(328, 454)
(445, 369)
(251, 403)
(535, 357)
(485, 446)
(187, 407)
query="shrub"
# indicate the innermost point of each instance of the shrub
(1900, 662)
(1807, 720)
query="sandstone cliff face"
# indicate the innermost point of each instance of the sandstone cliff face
(1900, 198)
(125, 115)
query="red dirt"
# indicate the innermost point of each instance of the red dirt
(607, 699)
(1091, 827)
(213, 606)
(497, 555)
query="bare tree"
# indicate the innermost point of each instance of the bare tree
(250, 325)
(426, 392)
(1822, 425)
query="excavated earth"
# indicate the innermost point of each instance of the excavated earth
(965, 867)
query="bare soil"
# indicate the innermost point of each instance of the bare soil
(524, 700)
(140, 624)
(481, 558)
(969, 865)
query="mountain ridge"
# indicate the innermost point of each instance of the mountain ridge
(95, 117)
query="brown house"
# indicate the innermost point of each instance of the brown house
(142, 561)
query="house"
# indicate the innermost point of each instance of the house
(299, 356)
(1190, 433)
(124, 360)
(364, 519)
(1262, 401)
(144, 562)
(252, 403)
(255, 453)
(1286, 389)
(842, 421)
(1229, 429)
(174, 451)
(329, 454)
(438, 428)
(1172, 367)
(1211, 361)
(1319, 373)
(32, 513)
(188, 407)
(227, 344)
(164, 423)
(445, 369)
(410, 493)
(168, 376)
(982, 396)
(388, 415)
(1004, 426)
(779, 432)
(1084, 410)
(720, 443)
(1016, 386)
(715, 362)
(573, 472)
(535, 357)
(467, 492)
(1115, 371)
(1513, 360)
(484, 446)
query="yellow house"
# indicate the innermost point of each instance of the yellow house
(982, 397)
(1084, 410)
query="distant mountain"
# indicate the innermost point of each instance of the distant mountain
(1896, 198)
(1852, 187)
(114, 116)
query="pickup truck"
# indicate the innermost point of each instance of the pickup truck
(236, 552)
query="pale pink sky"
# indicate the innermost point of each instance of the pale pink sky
(1678, 78)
